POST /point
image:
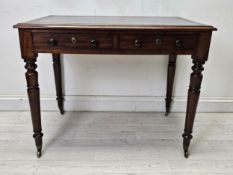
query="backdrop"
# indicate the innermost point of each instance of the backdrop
(118, 83)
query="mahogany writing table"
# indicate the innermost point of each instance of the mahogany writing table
(114, 35)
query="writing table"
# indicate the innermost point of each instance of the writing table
(114, 35)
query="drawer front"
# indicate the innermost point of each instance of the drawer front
(114, 42)
(66, 42)
(156, 43)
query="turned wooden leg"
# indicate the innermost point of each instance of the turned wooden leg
(34, 101)
(193, 97)
(58, 82)
(170, 80)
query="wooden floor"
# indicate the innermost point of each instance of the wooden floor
(113, 143)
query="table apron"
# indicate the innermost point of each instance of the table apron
(114, 42)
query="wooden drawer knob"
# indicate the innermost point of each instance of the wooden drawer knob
(158, 41)
(138, 43)
(179, 43)
(52, 42)
(94, 43)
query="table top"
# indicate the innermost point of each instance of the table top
(114, 22)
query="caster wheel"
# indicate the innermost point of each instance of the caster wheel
(62, 112)
(38, 153)
(186, 154)
(166, 113)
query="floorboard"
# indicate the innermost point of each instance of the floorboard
(116, 143)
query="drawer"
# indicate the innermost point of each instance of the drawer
(158, 42)
(72, 41)
(112, 42)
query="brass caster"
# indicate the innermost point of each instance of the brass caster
(38, 153)
(62, 112)
(186, 154)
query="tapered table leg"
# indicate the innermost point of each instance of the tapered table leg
(34, 101)
(58, 81)
(170, 81)
(193, 97)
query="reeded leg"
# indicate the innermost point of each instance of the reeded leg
(193, 97)
(170, 80)
(58, 82)
(34, 101)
